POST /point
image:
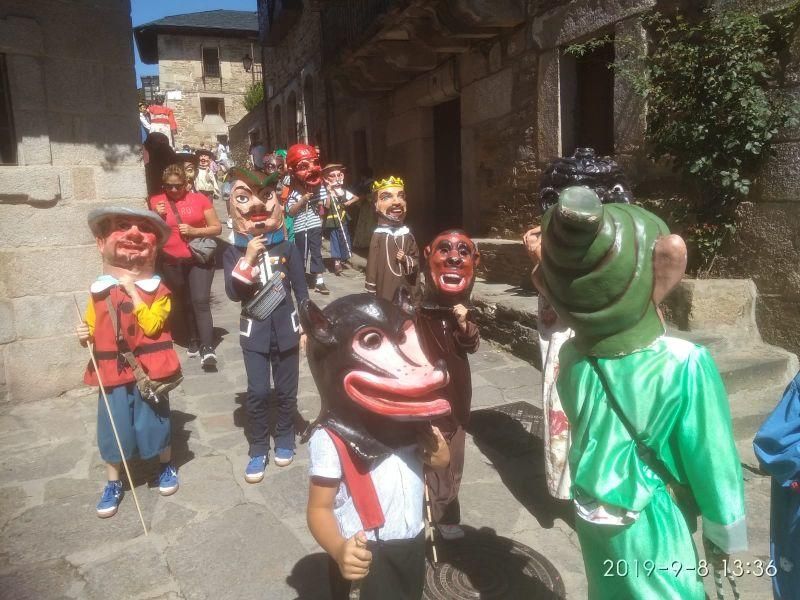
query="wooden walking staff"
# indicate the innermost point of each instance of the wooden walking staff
(90, 346)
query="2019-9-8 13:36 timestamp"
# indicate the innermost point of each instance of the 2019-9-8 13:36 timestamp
(646, 568)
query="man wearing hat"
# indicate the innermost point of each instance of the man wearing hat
(206, 181)
(270, 343)
(127, 312)
(652, 443)
(335, 227)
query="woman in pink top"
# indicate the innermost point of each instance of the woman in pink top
(189, 281)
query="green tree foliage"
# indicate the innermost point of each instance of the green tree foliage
(253, 95)
(714, 103)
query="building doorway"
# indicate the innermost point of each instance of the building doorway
(447, 210)
(587, 101)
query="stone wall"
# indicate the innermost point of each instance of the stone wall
(73, 96)
(292, 75)
(240, 133)
(181, 69)
(765, 245)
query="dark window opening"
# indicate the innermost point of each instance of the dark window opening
(211, 62)
(448, 205)
(8, 140)
(587, 101)
(212, 106)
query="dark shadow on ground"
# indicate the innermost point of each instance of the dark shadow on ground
(518, 456)
(219, 334)
(491, 567)
(309, 577)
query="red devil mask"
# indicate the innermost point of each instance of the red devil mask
(303, 163)
(451, 257)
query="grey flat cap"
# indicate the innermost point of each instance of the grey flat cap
(98, 215)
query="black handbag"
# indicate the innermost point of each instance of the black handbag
(269, 297)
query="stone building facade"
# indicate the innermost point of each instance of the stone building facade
(69, 133)
(469, 100)
(201, 61)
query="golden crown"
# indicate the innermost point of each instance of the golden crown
(391, 181)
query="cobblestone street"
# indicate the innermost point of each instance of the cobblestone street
(220, 537)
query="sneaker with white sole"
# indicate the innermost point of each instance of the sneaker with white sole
(168, 480)
(207, 357)
(192, 349)
(109, 501)
(254, 472)
(450, 532)
(284, 456)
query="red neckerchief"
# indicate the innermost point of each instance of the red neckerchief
(359, 481)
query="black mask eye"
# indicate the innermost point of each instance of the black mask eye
(370, 340)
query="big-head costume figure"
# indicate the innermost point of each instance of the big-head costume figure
(305, 204)
(126, 320)
(777, 446)
(604, 176)
(449, 334)
(260, 258)
(393, 259)
(378, 394)
(646, 410)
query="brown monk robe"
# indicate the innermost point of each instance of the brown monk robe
(443, 338)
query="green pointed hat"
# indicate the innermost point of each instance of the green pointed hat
(597, 271)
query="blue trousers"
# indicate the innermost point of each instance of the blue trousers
(285, 367)
(337, 238)
(309, 243)
(143, 428)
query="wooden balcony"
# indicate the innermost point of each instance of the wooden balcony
(375, 45)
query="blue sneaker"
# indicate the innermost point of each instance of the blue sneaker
(168, 480)
(109, 501)
(284, 456)
(255, 469)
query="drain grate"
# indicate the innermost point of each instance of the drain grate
(486, 566)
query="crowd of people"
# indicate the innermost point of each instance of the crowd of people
(391, 365)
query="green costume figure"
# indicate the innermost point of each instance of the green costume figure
(649, 412)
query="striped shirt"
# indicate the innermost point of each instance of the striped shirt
(308, 217)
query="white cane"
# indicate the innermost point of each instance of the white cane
(90, 346)
(341, 226)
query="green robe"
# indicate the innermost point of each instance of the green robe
(673, 395)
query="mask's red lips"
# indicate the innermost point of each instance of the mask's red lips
(420, 398)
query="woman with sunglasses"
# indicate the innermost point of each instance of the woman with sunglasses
(189, 215)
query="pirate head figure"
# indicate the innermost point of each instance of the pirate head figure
(584, 167)
(303, 163)
(605, 268)
(128, 240)
(451, 260)
(376, 384)
(389, 196)
(255, 207)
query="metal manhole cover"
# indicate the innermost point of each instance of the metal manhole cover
(485, 566)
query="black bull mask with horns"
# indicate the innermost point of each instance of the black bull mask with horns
(376, 385)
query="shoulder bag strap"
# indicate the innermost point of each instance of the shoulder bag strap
(143, 382)
(646, 453)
